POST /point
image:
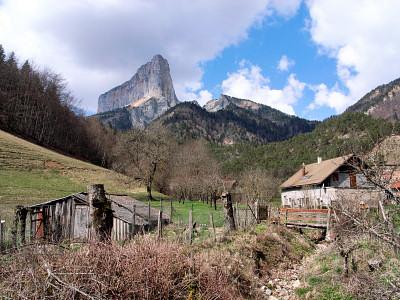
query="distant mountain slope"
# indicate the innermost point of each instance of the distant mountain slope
(382, 102)
(148, 94)
(231, 120)
(335, 136)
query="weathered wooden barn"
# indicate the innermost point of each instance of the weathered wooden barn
(69, 218)
(317, 185)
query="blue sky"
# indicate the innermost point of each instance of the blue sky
(265, 46)
(331, 53)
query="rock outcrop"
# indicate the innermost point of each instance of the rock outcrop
(382, 102)
(225, 100)
(147, 95)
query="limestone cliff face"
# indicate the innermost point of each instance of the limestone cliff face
(148, 94)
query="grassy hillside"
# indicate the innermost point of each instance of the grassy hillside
(30, 174)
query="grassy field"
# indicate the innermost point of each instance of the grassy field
(31, 174)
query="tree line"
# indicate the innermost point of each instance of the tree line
(37, 105)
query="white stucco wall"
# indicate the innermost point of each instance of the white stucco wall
(323, 197)
(312, 197)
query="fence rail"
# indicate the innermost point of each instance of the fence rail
(318, 218)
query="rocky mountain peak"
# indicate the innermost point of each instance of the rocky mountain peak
(224, 100)
(148, 94)
(152, 80)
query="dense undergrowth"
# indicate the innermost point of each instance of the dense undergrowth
(149, 269)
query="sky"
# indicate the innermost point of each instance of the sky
(310, 58)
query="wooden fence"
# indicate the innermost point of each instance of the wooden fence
(318, 218)
(2, 234)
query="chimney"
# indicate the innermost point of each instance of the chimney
(319, 159)
(303, 170)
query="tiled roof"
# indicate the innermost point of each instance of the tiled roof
(315, 173)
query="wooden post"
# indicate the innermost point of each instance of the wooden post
(286, 216)
(159, 225)
(149, 216)
(133, 221)
(2, 232)
(101, 213)
(190, 225)
(246, 216)
(237, 215)
(257, 211)
(170, 210)
(14, 231)
(229, 219)
(22, 219)
(328, 225)
(213, 226)
(31, 229)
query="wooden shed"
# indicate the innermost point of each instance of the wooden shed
(69, 218)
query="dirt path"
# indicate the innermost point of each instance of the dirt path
(283, 283)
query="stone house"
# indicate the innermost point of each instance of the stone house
(318, 184)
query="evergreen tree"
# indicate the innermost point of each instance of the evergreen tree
(2, 55)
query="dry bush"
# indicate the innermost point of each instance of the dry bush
(142, 269)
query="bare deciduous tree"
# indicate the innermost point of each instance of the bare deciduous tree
(141, 154)
(258, 185)
(194, 172)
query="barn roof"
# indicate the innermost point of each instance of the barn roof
(315, 173)
(79, 197)
(122, 206)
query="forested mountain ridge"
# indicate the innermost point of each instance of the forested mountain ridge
(335, 136)
(382, 102)
(236, 121)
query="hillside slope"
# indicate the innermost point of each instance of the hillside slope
(31, 174)
(236, 121)
(339, 135)
(382, 102)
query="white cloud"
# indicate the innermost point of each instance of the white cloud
(202, 96)
(285, 63)
(97, 44)
(362, 37)
(286, 8)
(249, 83)
(330, 97)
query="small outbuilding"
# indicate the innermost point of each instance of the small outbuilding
(70, 218)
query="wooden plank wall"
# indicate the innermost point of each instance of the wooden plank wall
(67, 220)
(53, 222)
(121, 230)
(304, 217)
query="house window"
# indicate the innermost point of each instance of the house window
(353, 180)
(335, 177)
